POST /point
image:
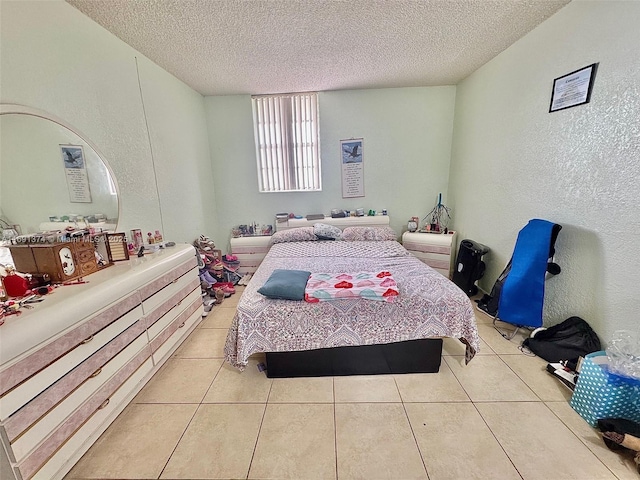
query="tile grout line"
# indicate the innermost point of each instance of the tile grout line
(458, 380)
(579, 438)
(413, 433)
(521, 379)
(211, 384)
(181, 437)
(485, 422)
(255, 446)
(497, 440)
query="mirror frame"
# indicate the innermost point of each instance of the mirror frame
(11, 108)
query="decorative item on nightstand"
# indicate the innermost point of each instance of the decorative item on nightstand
(437, 220)
(412, 225)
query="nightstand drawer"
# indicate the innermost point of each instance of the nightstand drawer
(435, 249)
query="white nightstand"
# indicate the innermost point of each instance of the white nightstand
(250, 251)
(435, 249)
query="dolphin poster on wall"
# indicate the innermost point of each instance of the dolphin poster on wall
(352, 168)
(76, 173)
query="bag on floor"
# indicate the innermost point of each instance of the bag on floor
(568, 340)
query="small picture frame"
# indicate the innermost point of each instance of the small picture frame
(573, 88)
(117, 247)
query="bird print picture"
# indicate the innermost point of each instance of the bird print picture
(76, 173)
(352, 168)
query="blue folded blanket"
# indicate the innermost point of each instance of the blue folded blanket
(522, 294)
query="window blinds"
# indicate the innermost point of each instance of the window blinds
(286, 134)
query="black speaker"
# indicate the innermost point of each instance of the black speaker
(469, 266)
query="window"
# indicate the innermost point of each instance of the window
(287, 150)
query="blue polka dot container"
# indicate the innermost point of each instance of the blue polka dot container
(602, 394)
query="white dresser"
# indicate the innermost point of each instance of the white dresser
(435, 249)
(71, 364)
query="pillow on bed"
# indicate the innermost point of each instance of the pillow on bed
(285, 284)
(327, 232)
(300, 234)
(369, 233)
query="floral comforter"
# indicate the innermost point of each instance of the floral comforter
(428, 304)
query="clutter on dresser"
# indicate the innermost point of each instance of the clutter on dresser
(437, 220)
(254, 229)
(62, 261)
(111, 247)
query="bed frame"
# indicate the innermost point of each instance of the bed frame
(411, 356)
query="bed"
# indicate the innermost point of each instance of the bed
(351, 336)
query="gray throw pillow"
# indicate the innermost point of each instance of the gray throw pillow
(285, 284)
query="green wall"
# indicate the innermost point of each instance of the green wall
(406, 135)
(579, 167)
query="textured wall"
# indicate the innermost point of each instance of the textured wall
(407, 145)
(513, 161)
(56, 59)
(178, 131)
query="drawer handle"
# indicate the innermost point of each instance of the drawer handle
(104, 404)
(181, 325)
(87, 340)
(179, 303)
(174, 281)
(96, 373)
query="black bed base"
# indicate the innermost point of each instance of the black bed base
(412, 356)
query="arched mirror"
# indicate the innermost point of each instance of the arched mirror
(51, 176)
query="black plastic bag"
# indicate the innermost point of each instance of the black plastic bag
(568, 340)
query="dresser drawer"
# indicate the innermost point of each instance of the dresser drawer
(29, 389)
(161, 310)
(167, 341)
(93, 411)
(189, 280)
(178, 308)
(168, 278)
(37, 432)
(32, 362)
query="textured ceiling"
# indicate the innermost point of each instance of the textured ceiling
(223, 47)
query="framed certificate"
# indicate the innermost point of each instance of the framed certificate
(573, 88)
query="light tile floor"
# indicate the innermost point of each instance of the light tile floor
(500, 417)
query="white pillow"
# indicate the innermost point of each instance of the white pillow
(327, 232)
